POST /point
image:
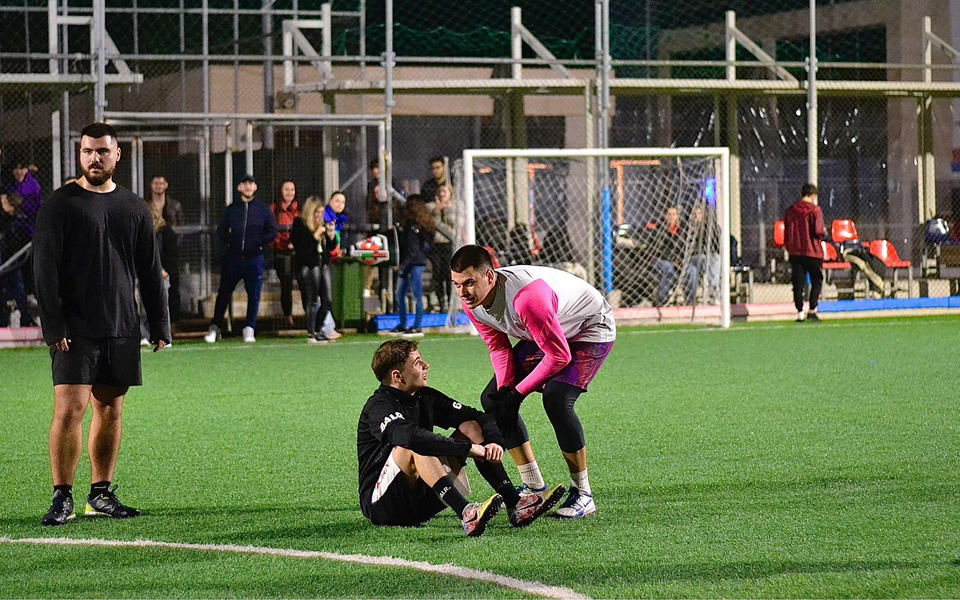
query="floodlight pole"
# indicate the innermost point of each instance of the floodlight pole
(813, 131)
(99, 44)
(386, 172)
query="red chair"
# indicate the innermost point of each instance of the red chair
(885, 251)
(831, 260)
(846, 285)
(779, 234)
(843, 230)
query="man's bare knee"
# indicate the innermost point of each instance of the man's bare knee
(469, 430)
(70, 404)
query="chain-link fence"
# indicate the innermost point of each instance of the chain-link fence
(504, 74)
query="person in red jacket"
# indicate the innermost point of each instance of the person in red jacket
(803, 232)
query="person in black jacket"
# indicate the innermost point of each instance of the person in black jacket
(314, 242)
(94, 239)
(245, 230)
(416, 234)
(407, 472)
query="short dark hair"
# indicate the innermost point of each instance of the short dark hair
(18, 161)
(375, 163)
(471, 256)
(437, 158)
(389, 356)
(808, 190)
(99, 130)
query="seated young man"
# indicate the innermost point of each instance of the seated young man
(406, 468)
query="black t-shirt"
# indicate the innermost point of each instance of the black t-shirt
(393, 418)
(88, 251)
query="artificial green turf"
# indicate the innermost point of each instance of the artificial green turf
(776, 460)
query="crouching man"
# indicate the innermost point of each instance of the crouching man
(408, 473)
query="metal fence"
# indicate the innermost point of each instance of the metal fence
(494, 74)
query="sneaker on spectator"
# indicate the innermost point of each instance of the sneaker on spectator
(399, 329)
(813, 318)
(334, 335)
(318, 338)
(213, 335)
(414, 332)
(145, 342)
(477, 514)
(248, 336)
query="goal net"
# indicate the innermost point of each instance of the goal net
(648, 227)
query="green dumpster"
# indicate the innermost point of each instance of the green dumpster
(347, 276)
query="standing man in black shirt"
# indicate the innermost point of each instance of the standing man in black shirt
(94, 238)
(406, 469)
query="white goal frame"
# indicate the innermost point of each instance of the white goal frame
(719, 154)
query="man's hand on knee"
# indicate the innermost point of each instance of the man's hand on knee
(494, 453)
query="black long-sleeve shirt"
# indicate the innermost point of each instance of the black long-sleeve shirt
(393, 418)
(88, 250)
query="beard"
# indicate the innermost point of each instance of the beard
(98, 178)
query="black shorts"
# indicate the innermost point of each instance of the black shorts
(98, 361)
(393, 501)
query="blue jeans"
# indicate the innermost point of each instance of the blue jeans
(668, 277)
(12, 288)
(410, 278)
(710, 264)
(250, 270)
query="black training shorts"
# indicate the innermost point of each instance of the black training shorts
(98, 361)
(393, 501)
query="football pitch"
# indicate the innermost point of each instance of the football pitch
(771, 460)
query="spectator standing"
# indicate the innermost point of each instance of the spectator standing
(416, 233)
(94, 239)
(441, 209)
(245, 230)
(14, 227)
(285, 212)
(377, 219)
(803, 232)
(438, 178)
(167, 247)
(170, 213)
(171, 208)
(26, 186)
(315, 243)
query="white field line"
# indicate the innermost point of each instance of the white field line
(529, 587)
(652, 330)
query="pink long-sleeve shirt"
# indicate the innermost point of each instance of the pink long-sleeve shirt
(546, 306)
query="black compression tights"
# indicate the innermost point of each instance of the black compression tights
(558, 401)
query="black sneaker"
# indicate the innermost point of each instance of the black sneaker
(61, 510)
(105, 504)
(813, 318)
(399, 329)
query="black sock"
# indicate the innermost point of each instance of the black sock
(498, 479)
(66, 489)
(450, 495)
(98, 488)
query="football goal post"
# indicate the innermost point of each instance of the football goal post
(648, 227)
